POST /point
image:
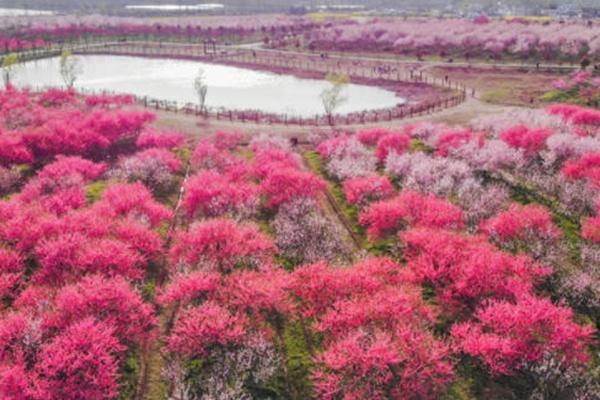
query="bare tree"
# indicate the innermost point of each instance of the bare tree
(70, 69)
(332, 96)
(201, 88)
(9, 63)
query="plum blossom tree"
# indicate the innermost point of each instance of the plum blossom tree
(206, 155)
(189, 288)
(153, 167)
(220, 245)
(199, 328)
(351, 159)
(165, 140)
(231, 372)
(531, 141)
(269, 159)
(409, 208)
(12, 268)
(327, 145)
(370, 137)
(554, 378)
(80, 363)
(407, 365)
(70, 255)
(587, 167)
(264, 141)
(365, 190)
(211, 194)
(495, 154)
(110, 300)
(59, 186)
(481, 201)
(13, 150)
(394, 142)
(426, 174)
(523, 228)
(132, 200)
(453, 264)
(505, 335)
(224, 322)
(305, 235)
(590, 229)
(367, 352)
(285, 185)
(228, 140)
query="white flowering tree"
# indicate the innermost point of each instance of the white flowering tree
(70, 69)
(9, 63)
(201, 88)
(333, 97)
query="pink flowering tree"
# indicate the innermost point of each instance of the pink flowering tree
(524, 228)
(505, 335)
(220, 245)
(211, 194)
(304, 234)
(409, 209)
(365, 190)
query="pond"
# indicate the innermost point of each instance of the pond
(175, 7)
(229, 87)
(17, 12)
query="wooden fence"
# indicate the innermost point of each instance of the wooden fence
(258, 117)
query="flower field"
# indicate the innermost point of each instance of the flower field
(478, 38)
(428, 262)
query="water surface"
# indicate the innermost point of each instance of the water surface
(17, 12)
(229, 87)
(175, 7)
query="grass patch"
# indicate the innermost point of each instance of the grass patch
(498, 96)
(94, 191)
(184, 154)
(569, 96)
(299, 362)
(130, 373)
(417, 145)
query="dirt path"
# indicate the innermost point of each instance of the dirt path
(152, 386)
(390, 57)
